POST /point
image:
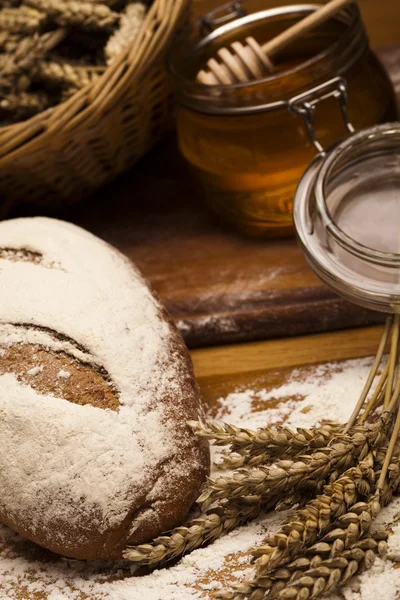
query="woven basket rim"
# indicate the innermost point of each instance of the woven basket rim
(87, 104)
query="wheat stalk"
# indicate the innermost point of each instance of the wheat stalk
(299, 498)
(64, 74)
(253, 491)
(350, 531)
(23, 20)
(86, 15)
(196, 533)
(305, 471)
(340, 554)
(9, 42)
(265, 482)
(310, 523)
(311, 577)
(17, 69)
(328, 540)
(23, 105)
(263, 445)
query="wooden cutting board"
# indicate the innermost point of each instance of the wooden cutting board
(219, 287)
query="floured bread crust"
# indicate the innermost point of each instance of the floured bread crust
(96, 386)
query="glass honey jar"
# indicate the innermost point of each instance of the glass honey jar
(246, 142)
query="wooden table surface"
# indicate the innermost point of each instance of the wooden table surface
(231, 362)
(225, 369)
(220, 371)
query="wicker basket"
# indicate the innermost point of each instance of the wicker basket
(64, 153)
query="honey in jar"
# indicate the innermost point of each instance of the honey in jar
(246, 143)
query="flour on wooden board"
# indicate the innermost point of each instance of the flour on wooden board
(327, 392)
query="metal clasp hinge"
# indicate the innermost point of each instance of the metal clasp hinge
(305, 104)
(221, 15)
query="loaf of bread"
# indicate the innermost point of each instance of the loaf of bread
(96, 387)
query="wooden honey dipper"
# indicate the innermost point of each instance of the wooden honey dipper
(252, 61)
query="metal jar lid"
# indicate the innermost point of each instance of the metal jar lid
(347, 217)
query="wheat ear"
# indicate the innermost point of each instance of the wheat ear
(341, 554)
(9, 42)
(196, 533)
(310, 523)
(61, 73)
(24, 104)
(86, 15)
(263, 445)
(22, 21)
(18, 68)
(350, 531)
(305, 471)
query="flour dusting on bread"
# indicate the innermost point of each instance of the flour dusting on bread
(95, 390)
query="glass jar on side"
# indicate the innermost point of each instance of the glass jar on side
(244, 145)
(347, 217)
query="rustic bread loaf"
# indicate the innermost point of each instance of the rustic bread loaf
(96, 386)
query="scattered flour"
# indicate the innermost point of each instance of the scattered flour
(63, 374)
(394, 544)
(174, 583)
(207, 323)
(381, 581)
(35, 370)
(326, 392)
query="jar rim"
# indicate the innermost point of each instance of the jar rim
(369, 279)
(194, 88)
(330, 160)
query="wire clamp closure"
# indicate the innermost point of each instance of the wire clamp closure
(306, 103)
(221, 15)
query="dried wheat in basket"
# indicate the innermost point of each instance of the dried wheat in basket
(64, 153)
